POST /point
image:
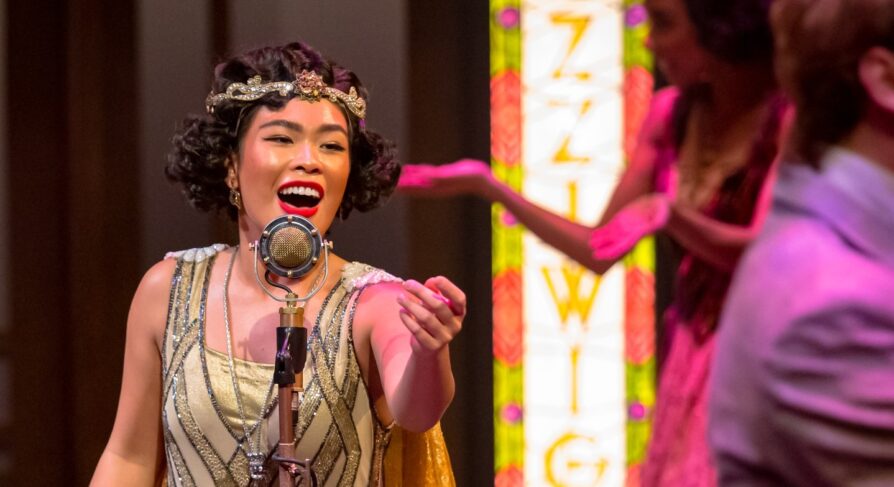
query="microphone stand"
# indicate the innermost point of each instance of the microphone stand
(291, 340)
(291, 345)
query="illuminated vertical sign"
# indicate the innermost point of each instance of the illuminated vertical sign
(573, 354)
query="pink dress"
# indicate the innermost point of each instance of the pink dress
(678, 454)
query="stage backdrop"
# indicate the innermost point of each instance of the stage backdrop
(573, 352)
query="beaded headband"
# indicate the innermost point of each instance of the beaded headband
(308, 86)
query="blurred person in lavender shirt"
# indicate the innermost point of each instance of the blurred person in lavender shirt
(802, 392)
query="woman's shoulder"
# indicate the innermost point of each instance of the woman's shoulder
(196, 254)
(661, 111)
(194, 262)
(148, 310)
(155, 287)
(377, 289)
(159, 275)
(359, 276)
(376, 297)
(664, 98)
(158, 280)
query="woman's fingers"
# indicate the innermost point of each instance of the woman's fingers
(610, 242)
(422, 337)
(454, 296)
(642, 217)
(433, 312)
(437, 304)
(430, 333)
(465, 176)
(415, 177)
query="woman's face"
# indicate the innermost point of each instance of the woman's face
(294, 161)
(674, 41)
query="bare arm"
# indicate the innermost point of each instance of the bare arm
(565, 235)
(413, 326)
(134, 453)
(720, 244)
(571, 238)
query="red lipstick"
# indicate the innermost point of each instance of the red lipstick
(300, 190)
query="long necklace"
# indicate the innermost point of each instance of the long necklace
(256, 458)
(711, 162)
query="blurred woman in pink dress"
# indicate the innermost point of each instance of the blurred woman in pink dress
(699, 174)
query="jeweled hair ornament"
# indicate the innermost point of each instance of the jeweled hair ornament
(308, 86)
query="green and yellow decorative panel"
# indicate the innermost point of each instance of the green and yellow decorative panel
(573, 352)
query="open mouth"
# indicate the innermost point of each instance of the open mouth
(300, 197)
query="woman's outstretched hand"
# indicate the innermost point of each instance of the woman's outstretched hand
(643, 216)
(465, 176)
(432, 312)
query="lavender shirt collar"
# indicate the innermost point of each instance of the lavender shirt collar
(852, 195)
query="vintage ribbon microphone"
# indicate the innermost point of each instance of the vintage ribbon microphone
(290, 246)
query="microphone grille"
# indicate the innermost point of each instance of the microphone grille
(291, 247)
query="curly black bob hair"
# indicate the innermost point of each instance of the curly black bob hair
(737, 31)
(204, 144)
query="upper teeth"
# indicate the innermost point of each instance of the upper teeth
(300, 190)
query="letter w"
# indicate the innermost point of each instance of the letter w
(577, 299)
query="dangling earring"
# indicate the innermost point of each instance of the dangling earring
(236, 198)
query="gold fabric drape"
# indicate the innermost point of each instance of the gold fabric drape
(418, 459)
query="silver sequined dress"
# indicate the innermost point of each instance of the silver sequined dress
(203, 432)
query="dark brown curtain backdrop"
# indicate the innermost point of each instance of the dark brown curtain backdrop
(449, 118)
(88, 209)
(72, 204)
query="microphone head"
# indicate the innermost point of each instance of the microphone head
(290, 245)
